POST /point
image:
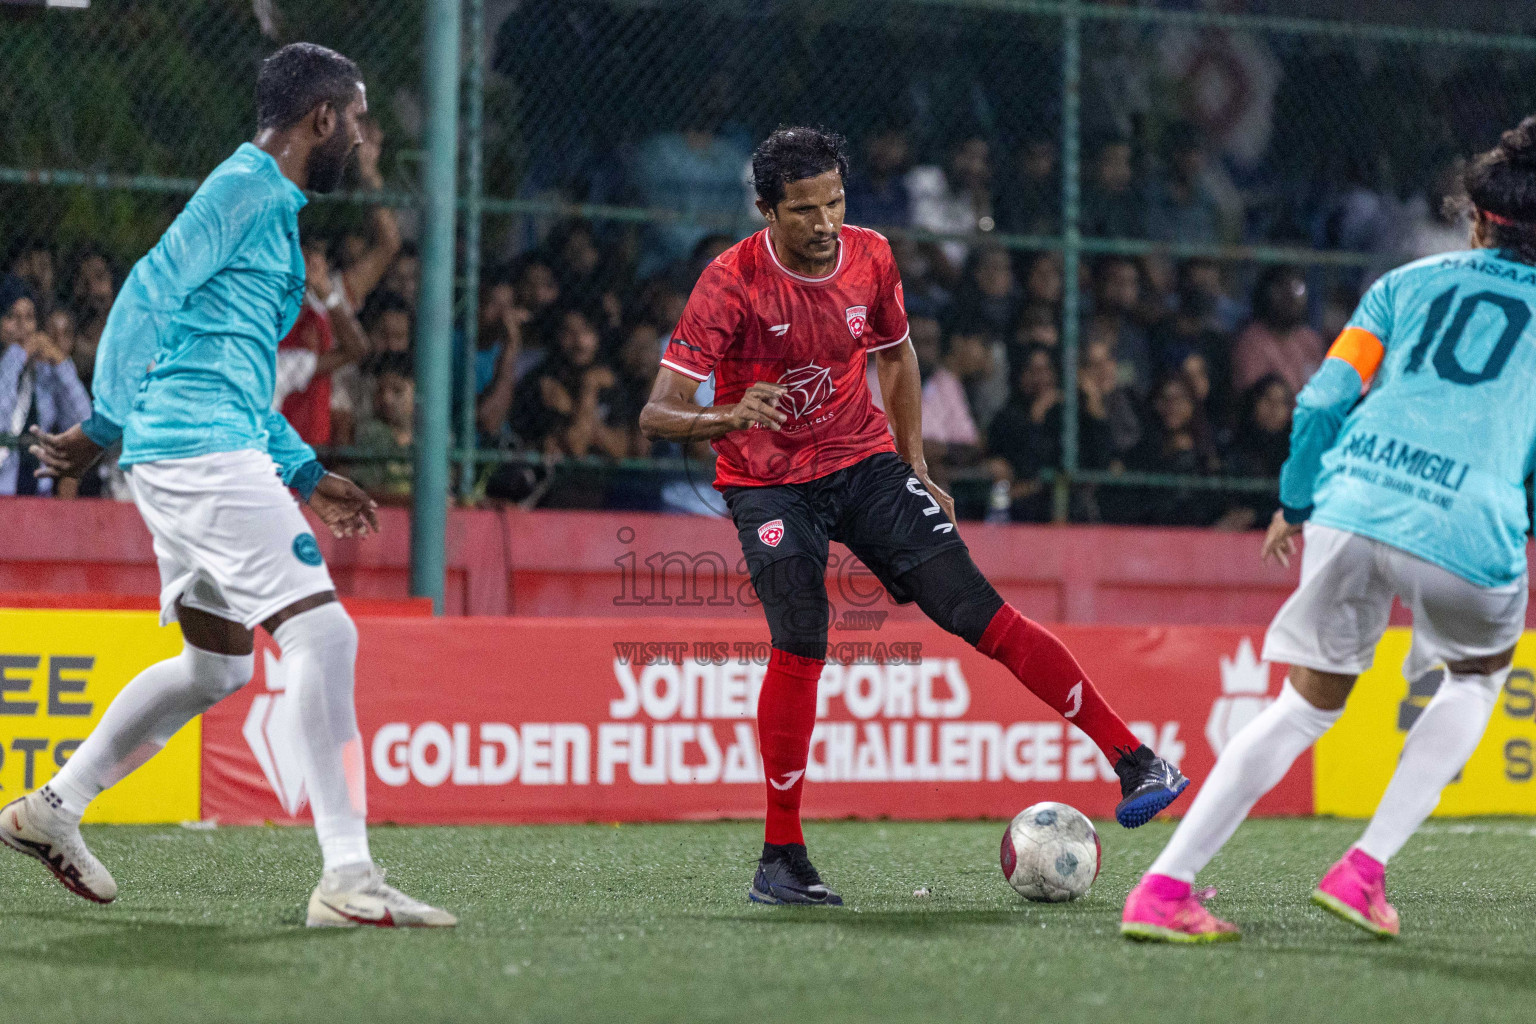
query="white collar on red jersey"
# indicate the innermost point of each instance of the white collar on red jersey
(768, 244)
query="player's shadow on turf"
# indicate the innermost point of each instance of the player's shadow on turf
(163, 945)
(1420, 959)
(895, 921)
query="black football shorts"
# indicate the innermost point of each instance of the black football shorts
(877, 507)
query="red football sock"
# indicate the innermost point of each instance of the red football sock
(786, 714)
(1048, 670)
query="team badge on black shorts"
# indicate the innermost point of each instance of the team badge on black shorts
(771, 532)
(306, 549)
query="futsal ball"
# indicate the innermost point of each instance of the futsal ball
(1050, 853)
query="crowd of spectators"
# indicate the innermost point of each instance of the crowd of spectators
(1187, 367)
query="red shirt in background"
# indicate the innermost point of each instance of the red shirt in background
(1259, 351)
(751, 319)
(309, 409)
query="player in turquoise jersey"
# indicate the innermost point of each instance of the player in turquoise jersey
(1409, 454)
(184, 377)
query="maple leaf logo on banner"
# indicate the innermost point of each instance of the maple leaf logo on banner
(270, 729)
(1244, 693)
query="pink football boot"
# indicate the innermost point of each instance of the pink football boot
(1355, 889)
(1163, 909)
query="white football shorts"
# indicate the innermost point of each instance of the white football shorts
(229, 537)
(1335, 618)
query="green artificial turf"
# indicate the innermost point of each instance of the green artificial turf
(651, 923)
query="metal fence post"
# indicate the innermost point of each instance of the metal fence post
(1071, 248)
(474, 186)
(434, 323)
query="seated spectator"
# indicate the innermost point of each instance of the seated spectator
(1108, 407)
(34, 264)
(1116, 308)
(1260, 446)
(955, 198)
(922, 292)
(501, 327)
(585, 279)
(1178, 441)
(950, 438)
(93, 287)
(38, 387)
(989, 297)
(537, 290)
(1189, 331)
(637, 375)
(1111, 207)
(1181, 204)
(981, 364)
(1279, 340)
(1042, 279)
(403, 279)
(1197, 374)
(1029, 199)
(62, 330)
(561, 408)
(388, 429)
(877, 193)
(1199, 286)
(388, 323)
(1025, 438)
(325, 338)
(1262, 441)
(1037, 325)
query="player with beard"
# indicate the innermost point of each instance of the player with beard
(785, 321)
(184, 379)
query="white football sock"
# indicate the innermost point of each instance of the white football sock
(1437, 749)
(319, 655)
(1255, 760)
(143, 718)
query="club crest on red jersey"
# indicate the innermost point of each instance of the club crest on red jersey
(858, 316)
(771, 532)
(807, 388)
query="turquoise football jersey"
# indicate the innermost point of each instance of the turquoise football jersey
(188, 358)
(1434, 458)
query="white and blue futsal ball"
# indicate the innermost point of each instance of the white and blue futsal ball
(1050, 853)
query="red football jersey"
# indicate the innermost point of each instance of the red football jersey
(751, 319)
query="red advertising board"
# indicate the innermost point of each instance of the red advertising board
(570, 720)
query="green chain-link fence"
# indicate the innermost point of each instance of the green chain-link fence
(1010, 125)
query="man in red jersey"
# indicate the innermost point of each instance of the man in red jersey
(786, 321)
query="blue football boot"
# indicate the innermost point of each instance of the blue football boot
(1147, 785)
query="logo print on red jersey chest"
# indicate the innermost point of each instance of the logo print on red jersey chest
(771, 532)
(808, 388)
(858, 317)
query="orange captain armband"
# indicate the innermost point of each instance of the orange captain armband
(1360, 349)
